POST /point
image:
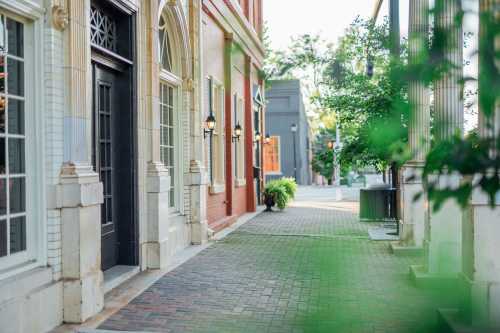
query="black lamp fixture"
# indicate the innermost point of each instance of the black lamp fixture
(210, 124)
(237, 133)
(257, 137)
(293, 128)
(267, 139)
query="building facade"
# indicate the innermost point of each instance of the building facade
(104, 165)
(288, 153)
(232, 59)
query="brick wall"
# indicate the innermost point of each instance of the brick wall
(54, 112)
(240, 200)
(216, 207)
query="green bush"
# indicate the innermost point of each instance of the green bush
(290, 186)
(282, 190)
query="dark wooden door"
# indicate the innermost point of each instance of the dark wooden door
(104, 126)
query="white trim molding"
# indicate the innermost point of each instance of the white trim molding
(26, 8)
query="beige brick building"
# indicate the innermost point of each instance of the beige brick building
(102, 160)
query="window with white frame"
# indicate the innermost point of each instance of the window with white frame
(215, 106)
(14, 219)
(239, 147)
(217, 144)
(170, 143)
(167, 139)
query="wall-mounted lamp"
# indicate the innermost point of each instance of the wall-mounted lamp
(330, 145)
(210, 124)
(237, 133)
(257, 137)
(267, 139)
(293, 128)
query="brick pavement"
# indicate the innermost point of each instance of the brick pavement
(310, 268)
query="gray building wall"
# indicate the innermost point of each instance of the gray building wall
(285, 106)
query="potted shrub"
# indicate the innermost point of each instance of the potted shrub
(279, 193)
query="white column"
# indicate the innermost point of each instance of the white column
(79, 194)
(413, 213)
(481, 225)
(444, 243)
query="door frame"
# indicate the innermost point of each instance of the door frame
(128, 65)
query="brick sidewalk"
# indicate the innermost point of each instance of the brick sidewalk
(311, 268)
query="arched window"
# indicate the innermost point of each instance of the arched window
(170, 124)
(165, 46)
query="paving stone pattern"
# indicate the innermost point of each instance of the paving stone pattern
(310, 268)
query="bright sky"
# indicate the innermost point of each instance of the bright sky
(329, 18)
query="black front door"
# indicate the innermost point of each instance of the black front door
(113, 157)
(104, 118)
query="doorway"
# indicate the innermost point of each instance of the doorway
(113, 157)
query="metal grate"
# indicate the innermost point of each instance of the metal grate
(102, 30)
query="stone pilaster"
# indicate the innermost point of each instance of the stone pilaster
(78, 75)
(198, 181)
(156, 246)
(198, 192)
(80, 193)
(197, 112)
(413, 212)
(79, 196)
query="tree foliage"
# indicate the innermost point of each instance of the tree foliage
(323, 161)
(366, 90)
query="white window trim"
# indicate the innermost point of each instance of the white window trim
(36, 219)
(240, 172)
(240, 182)
(218, 183)
(217, 188)
(173, 79)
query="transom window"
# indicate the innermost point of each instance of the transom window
(102, 29)
(165, 47)
(13, 233)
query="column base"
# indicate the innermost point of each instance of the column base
(450, 321)
(444, 256)
(406, 251)
(199, 223)
(83, 298)
(157, 254)
(79, 196)
(421, 278)
(156, 247)
(413, 213)
(199, 233)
